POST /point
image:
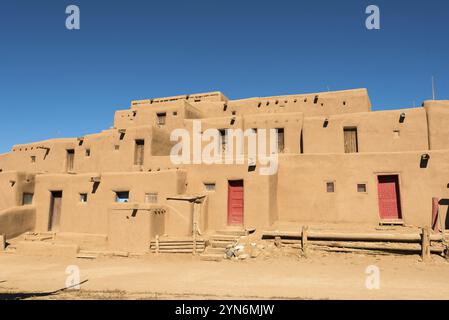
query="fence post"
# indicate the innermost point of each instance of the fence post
(304, 240)
(194, 238)
(157, 245)
(2, 242)
(425, 244)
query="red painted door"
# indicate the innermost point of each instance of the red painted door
(235, 202)
(389, 197)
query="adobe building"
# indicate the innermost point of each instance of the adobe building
(338, 162)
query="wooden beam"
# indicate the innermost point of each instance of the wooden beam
(352, 236)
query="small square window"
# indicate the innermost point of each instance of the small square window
(209, 186)
(87, 152)
(33, 159)
(396, 134)
(361, 187)
(175, 113)
(161, 117)
(330, 187)
(122, 135)
(27, 199)
(116, 147)
(151, 197)
(122, 196)
(83, 197)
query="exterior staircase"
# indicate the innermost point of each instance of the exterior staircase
(218, 242)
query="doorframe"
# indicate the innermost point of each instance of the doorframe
(51, 210)
(227, 200)
(389, 173)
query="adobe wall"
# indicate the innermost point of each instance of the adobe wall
(132, 226)
(12, 187)
(380, 131)
(313, 104)
(438, 117)
(259, 194)
(302, 195)
(92, 216)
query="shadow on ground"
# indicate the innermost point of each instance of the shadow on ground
(31, 295)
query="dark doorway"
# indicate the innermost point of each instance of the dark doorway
(55, 211)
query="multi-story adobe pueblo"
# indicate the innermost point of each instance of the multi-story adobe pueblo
(338, 162)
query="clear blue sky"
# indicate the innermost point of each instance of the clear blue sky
(60, 83)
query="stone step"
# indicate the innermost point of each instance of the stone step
(213, 250)
(10, 249)
(186, 244)
(87, 256)
(211, 257)
(224, 238)
(233, 232)
(221, 244)
(177, 251)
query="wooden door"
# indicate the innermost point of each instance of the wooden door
(389, 197)
(55, 211)
(70, 160)
(351, 140)
(235, 203)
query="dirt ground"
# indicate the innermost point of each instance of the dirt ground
(285, 276)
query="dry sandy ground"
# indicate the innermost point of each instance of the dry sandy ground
(321, 276)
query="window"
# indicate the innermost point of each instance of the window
(116, 147)
(301, 143)
(361, 187)
(280, 135)
(151, 197)
(70, 160)
(122, 196)
(351, 140)
(396, 134)
(330, 187)
(87, 152)
(122, 135)
(161, 117)
(139, 152)
(33, 159)
(83, 197)
(209, 186)
(175, 113)
(27, 198)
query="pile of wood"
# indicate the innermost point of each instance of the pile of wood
(177, 245)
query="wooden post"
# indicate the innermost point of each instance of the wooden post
(425, 244)
(194, 238)
(304, 240)
(157, 245)
(2, 242)
(278, 242)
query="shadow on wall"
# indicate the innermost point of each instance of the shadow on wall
(17, 220)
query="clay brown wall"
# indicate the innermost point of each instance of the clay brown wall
(302, 195)
(259, 195)
(438, 117)
(92, 217)
(375, 131)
